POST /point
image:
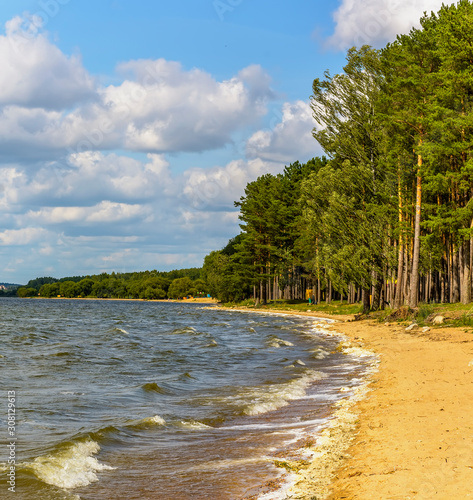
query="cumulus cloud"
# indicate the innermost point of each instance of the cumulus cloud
(290, 139)
(165, 108)
(52, 106)
(85, 179)
(103, 212)
(24, 236)
(216, 188)
(35, 73)
(376, 22)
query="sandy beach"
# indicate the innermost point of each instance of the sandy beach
(411, 435)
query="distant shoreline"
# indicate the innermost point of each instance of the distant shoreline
(203, 300)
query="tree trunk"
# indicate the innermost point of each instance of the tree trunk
(413, 293)
(378, 283)
(398, 300)
(328, 295)
(405, 279)
(455, 276)
(263, 291)
(366, 300)
(466, 282)
(398, 296)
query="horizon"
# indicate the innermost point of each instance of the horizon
(124, 150)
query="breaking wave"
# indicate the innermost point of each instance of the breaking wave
(69, 467)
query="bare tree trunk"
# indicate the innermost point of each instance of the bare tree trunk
(466, 281)
(455, 276)
(263, 295)
(398, 300)
(398, 297)
(366, 300)
(328, 295)
(378, 283)
(449, 271)
(442, 288)
(414, 285)
(405, 280)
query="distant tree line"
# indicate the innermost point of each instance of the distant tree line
(388, 217)
(141, 285)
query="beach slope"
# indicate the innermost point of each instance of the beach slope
(414, 431)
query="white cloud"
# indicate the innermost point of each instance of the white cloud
(291, 138)
(104, 212)
(178, 111)
(376, 22)
(35, 73)
(25, 236)
(165, 108)
(216, 188)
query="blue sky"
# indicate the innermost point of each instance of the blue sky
(128, 129)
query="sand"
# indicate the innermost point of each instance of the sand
(411, 435)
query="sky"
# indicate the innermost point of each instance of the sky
(128, 129)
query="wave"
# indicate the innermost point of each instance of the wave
(147, 422)
(319, 353)
(116, 330)
(69, 467)
(153, 387)
(275, 396)
(61, 353)
(120, 330)
(184, 330)
(295, 364)
(193, 425)
(277, 342)
(212, 343)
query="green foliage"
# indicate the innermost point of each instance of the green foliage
(225, 275)
(25, 291)
(38, 282)
(147, 285)
(180, 287)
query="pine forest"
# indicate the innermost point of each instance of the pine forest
(386, 216)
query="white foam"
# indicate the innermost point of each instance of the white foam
(194, 425)
(156, 420)
(319, 353)
(277, 342)
(356, 351)
(227, 462)
(71, 467)
(275, 396)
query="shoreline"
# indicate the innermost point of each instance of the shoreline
(408, 432)
(195, 300)
(327, 453)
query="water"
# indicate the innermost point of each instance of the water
(145, 400)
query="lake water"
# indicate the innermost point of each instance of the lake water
(147, 400)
